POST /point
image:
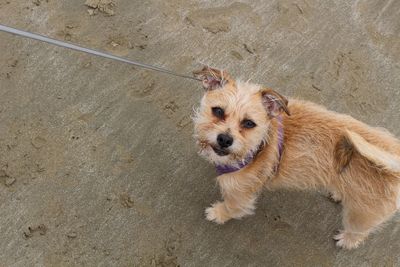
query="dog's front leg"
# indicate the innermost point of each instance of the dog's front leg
(239, 192)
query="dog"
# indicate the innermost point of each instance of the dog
(258, 138)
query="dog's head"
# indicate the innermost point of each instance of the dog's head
(234, 117)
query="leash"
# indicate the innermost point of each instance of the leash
(52, 41)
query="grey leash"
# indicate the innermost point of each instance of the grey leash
(88, 51)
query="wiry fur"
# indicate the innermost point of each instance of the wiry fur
(358, 164)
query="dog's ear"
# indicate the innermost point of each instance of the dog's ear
(212, 78)
(274, 102)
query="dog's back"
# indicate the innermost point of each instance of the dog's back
(359, 162)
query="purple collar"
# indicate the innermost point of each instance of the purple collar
(222, 169)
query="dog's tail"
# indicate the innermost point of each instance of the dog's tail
(383, 159)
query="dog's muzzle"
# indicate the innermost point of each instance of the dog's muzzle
(220, 151)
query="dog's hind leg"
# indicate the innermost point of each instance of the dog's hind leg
(367, 201)
(358, 224)
(239, 192)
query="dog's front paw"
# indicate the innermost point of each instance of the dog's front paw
(334, 197)
(217, 213)
(348, 240)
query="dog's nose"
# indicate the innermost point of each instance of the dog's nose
(224, 140)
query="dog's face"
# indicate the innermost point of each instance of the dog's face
(234, 117)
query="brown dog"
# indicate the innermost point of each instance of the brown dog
(256, 139)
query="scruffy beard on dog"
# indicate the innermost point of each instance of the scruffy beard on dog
(258, 139)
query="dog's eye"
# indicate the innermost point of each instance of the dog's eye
(248, 124)
(218, 112)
